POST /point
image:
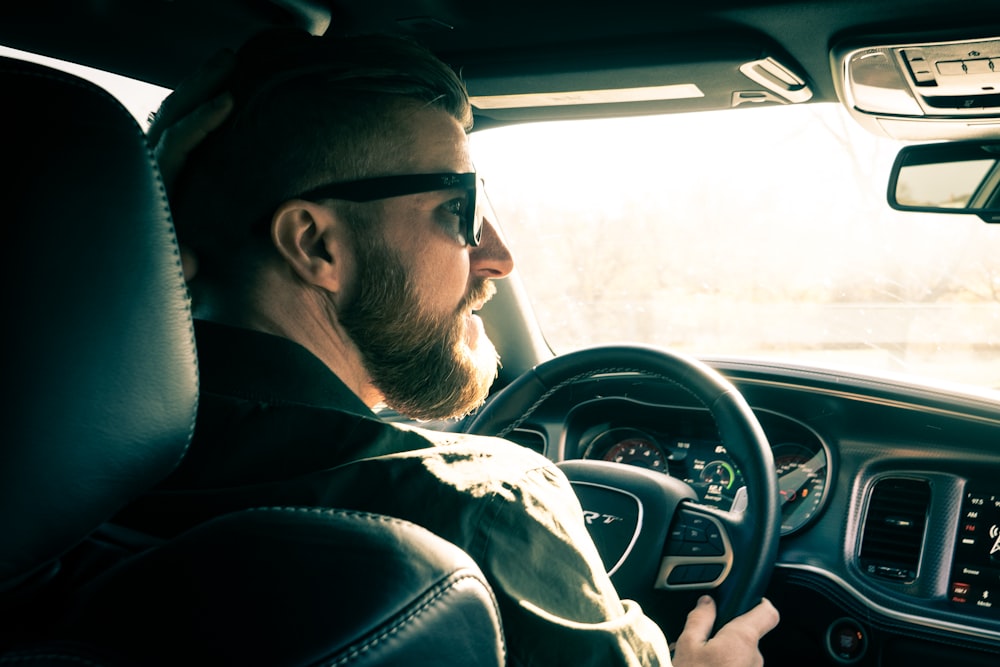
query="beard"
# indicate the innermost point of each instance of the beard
(427, 366)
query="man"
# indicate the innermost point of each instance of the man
(341, 256)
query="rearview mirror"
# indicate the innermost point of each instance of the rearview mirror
(954, 177)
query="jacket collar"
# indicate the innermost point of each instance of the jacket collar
(263, 367)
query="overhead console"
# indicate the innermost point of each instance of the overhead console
(922, 89)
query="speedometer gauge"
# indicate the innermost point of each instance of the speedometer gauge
(802, 477)
(630, 446)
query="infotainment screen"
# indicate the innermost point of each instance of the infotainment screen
(975, 574)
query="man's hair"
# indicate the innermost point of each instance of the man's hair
(307, 111)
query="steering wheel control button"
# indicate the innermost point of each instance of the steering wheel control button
(696, 554)
(684, 574)
(698, 549)
(695, 535)
(714, 537)
(695, 574)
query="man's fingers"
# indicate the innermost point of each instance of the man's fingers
(734, 645)
(754, 624)
(763, 618)
(700, 620)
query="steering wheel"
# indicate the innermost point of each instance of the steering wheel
(650, 530)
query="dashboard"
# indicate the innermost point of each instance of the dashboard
(890, 499)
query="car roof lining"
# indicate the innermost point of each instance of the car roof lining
(510, 47)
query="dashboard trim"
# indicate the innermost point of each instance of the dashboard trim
(895, 391)
(865, 398)
(902, 617)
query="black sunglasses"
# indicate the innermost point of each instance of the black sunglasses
(384, 187)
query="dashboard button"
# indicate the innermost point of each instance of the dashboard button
(846, 640)
(699, 549)
(684, 574)
(694, 574)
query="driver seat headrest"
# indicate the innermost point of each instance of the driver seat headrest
(100, 366)
(102, 394)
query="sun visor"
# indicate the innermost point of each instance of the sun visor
(633, 79)
(922, 90)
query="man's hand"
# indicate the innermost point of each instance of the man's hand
(734, 645)
(198, 106)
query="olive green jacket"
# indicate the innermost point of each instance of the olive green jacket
(277, 428)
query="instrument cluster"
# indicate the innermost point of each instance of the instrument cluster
(691, 451)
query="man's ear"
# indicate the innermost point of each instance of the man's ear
(310, 238)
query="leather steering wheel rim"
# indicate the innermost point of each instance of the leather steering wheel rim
(754, 531)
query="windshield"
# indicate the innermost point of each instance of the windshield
(759, 232)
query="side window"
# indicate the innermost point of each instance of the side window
(139, 97)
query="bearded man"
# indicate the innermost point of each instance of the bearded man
(343, 246)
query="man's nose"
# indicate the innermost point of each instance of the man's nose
(491, 258)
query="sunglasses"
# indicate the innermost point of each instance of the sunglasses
(471, 214)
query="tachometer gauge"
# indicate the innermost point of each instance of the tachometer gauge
(637, 452)
(802, 477)
(630, 446)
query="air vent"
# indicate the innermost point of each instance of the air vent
(533, 440)
(894, 529)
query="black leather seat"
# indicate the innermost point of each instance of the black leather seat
(101, 386)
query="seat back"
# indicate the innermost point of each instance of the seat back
(102, 392)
